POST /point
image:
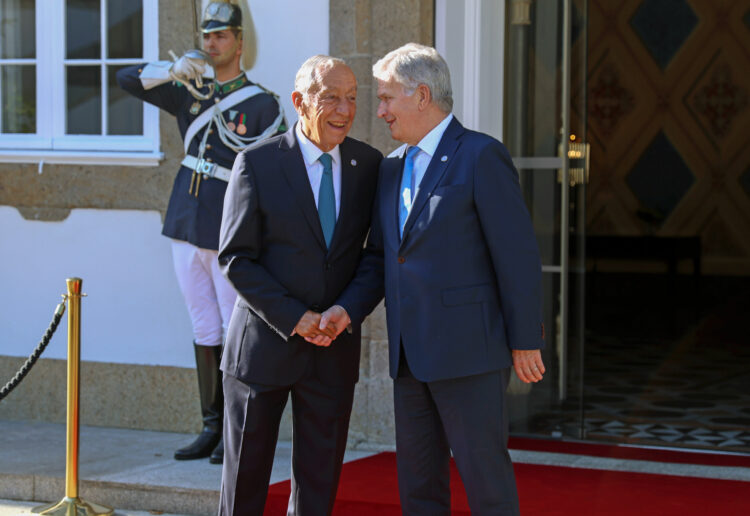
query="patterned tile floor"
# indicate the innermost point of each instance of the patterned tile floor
(658, 374)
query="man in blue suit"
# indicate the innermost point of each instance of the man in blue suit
(453, 247)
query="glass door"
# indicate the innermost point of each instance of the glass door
(544, 127)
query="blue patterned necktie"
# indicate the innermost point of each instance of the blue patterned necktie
(408, 187)
(327, 199)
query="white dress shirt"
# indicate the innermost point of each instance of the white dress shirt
(310, 154)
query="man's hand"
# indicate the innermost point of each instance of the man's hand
(189, 67)
(309, 328)
(334, 319)
(336, 316)
(528, 364)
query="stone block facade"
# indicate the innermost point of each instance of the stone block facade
(165, 398)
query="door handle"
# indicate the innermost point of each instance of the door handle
(578, 171)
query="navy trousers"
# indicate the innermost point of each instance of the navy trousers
(465, 416)
(251, 428)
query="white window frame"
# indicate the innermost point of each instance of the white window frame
(50, 144)
(470, 35)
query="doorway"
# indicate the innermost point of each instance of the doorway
(668, 222)
(627, 122)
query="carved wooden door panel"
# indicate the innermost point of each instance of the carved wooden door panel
(668, 112)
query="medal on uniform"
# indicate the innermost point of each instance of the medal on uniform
(195, 108)
(242, 128)
(230, 124)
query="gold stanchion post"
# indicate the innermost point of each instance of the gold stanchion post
(72, 505)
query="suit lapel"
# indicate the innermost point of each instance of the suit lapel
(392, 169)
(347, 203)
(435, 171)
(293, 166)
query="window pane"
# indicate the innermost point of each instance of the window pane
(84, 89)
(125, 112)
(17, 29)
(18, 87)
(82, 31)
(125, 24)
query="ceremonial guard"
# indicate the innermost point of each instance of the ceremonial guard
(219, 112)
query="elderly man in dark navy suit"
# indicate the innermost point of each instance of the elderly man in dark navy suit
(453, 246)
(296, 214)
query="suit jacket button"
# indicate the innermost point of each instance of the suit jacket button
(328, 266)
(401, 259)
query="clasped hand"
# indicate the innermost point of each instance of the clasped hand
(322, 329)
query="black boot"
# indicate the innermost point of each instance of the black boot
(212, 404)
(217, 456)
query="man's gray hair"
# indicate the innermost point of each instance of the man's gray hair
(307, 80)
(415, 64)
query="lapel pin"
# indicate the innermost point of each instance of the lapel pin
(354, 162)
(444, 158)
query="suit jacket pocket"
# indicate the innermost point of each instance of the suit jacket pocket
(447, 204)
(467, 295)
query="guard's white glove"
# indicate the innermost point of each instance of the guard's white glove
(190, 68)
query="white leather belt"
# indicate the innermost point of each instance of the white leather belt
(206, 168)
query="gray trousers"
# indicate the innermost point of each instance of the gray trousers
(466, 416)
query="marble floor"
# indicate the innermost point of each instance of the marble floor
(662, 365)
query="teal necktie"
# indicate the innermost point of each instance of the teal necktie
(327, 199)
(408, 186)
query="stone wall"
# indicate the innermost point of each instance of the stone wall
(363, 31)
(116, 395)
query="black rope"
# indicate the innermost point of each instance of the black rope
(26, 367)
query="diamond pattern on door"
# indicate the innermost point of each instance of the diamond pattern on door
(663, 26)
(609, 100)
(660, 178)
(717, 99)
(668, 110)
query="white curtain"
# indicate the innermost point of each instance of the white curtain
(17, 83)
(16, 28)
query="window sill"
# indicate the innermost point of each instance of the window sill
(131, 159)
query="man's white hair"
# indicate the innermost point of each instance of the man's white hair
(307, 80)
(414, 64)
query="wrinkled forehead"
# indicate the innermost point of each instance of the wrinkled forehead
(338, 76)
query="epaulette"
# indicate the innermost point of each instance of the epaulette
(266, 90)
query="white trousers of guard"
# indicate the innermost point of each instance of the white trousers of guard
(208, 294)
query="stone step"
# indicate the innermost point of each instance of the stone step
(124, 469)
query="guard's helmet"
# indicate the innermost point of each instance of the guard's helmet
(220, 16)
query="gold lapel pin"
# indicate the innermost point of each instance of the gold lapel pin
(353, 162)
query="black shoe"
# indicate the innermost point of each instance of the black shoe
(207, 359)
(202, 447)
(217, 456)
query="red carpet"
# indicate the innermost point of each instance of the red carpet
(369, 487)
